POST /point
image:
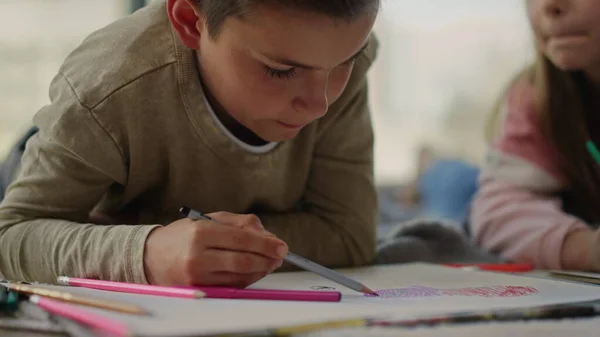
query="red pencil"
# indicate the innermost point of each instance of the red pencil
(271, 294)
(499, 267)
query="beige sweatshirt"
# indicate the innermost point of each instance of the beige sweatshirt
(128, 130)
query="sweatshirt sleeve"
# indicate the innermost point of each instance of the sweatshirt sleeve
(337, 226)
(66, 169)
(517, 211)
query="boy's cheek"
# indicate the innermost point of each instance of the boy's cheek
(337, 85)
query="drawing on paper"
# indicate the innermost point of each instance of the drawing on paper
(421, 291)
(322, 288)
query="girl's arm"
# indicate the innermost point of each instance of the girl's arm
(517, 211)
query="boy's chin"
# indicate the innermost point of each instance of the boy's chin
(278, 135)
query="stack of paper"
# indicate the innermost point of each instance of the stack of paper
(408, 291)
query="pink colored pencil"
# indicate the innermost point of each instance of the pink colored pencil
(79, 315)
(270, 294)
(131, 288)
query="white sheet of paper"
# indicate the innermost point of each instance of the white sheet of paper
(446, 289)
(457, 290)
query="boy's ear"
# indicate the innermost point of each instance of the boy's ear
(188, 20)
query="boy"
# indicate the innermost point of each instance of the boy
(219, 105)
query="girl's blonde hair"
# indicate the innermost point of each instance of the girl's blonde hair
(564, 106)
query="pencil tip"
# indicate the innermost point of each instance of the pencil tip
(368, 291)
(199, 294)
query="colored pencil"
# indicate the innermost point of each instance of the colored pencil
(131, 288)
(207, 292)
(300, 261)
(82, 316)
(593, 150)
(77, 299)
(271, 295)
(499, 267)
(521, 314)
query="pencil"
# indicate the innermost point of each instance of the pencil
(131, 288)
(114, 328)
(499, 267)
(593, 150)
(327, 273)
(536, 313)
(271, 294)
(68, 297)
(532, 313)
(300, 261)
(308, 328)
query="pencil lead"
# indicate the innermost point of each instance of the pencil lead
(368, 291)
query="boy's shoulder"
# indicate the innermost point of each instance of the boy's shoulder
(119, 54)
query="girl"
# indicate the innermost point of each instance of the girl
(539, 193)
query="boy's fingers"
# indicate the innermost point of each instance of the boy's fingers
(245, 221)
(249, 221)
(237, 262)
(238, 239)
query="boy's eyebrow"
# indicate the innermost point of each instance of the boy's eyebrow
(295, 64)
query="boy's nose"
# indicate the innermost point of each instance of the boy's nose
(315, 107)
(314, 102)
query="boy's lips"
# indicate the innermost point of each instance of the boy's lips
(291, 126)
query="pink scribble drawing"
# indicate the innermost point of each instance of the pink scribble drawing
(415, 291)
(512, 291)
(489, 292)
(496, 291)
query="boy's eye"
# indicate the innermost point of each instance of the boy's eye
(280, 74)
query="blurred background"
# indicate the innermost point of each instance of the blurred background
(441, 67)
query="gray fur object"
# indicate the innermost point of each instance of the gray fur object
(430, 240)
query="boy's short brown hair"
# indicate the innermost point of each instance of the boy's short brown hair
(217, 11)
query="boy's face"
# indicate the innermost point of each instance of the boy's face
(277, 70)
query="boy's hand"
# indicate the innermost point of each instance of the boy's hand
(248, 221)
(235, 252)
